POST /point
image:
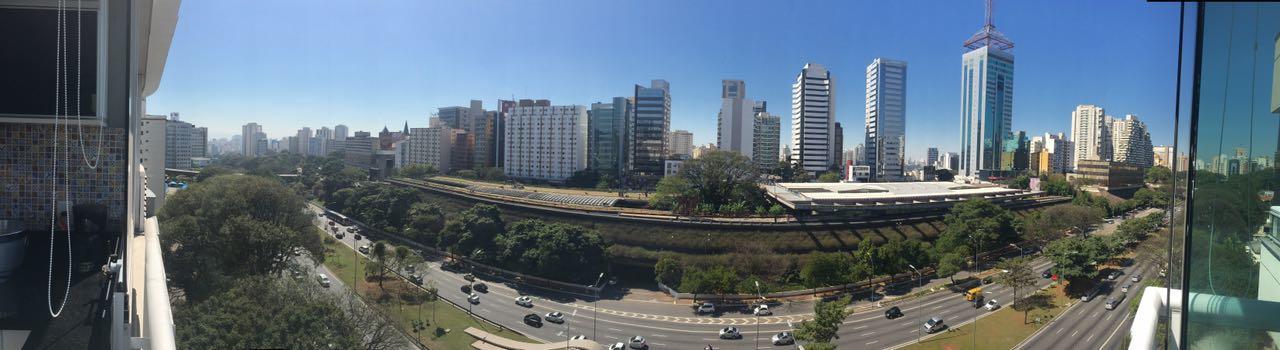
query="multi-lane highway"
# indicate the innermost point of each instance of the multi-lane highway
(670, 326)
(1089, 325)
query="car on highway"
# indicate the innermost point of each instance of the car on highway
(992, 305)
(1136, 277)
(1113, 275)
(340, 235)
(892, 313)
(533, 320)
(578, 337)
(637, 342)
(364, 249)
(618, 346)
(524, 301)
(1114, 302)
(480, 287)
(324, 280)
(762, 310)
(1126, 287)
(466, 288)
(469, 277)
(730, 333)
(555, 317)
(706, 308)
(415, 278)
(331, 223)
(934, 324)
(1047, 273)
(473, 298)
(783, 338)
(1090, 294)
(357, 236)
(351, 230)
(319, 215)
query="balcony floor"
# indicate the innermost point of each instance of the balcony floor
(84, 323)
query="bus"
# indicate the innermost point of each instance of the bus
(338, 218)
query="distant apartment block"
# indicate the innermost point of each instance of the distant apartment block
(736, 121)
(681, 144)
(1110, 175)
(479, 123)
(546, 143)
(671, 167)
(183, 142)
(431, 146)
(931, 156)
(1163, 156)
(1131, 142)
(250, 134)
(340, 132)
(358, 150)
(768, 133)
(1090, 133)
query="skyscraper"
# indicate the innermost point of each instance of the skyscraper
(607, 136)
(340, 132)
(986, 99)
(680, 144)
(931, 156)
(304, 141)
(736, 119)
(250, 134)
(813, 119)
(768, 131)
(324, 135)
(1131, 142)
(1090, 133)
(886, 119)
(649, 132)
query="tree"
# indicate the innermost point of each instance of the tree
(249, 313)
(716, 178)
(825, 269)
(668, 270)
(551, 249)
(233, 226)
(1074, 258)
(1021, 182)
(585, 178)
(424, 223)
(418, 171)
(1158, 175)
(345, 178)
(673, 193)
(1051, 223)
(976, 224)
(944, 175)
(379, 254)
(829, 176)
(474, 230)
(1018, 276)
(825, 325)
(211, 171)
(716, 280)
(949, 265)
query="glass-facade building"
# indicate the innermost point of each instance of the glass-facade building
(648, 134)
(607, 126)
(986, 109)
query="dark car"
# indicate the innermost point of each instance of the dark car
(892, 313)
(466, 288)
(480, 287)
(1047, 273)
(357, 237)
(533, 320)
(415, 278)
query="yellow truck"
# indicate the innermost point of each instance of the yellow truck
(973, 294)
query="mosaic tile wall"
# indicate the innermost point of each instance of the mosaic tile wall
(26, 151)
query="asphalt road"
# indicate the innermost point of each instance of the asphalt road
(1089, 325)
(670, 326)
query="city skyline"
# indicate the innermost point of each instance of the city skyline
(367, 78)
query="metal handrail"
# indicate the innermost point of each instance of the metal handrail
(159, 319)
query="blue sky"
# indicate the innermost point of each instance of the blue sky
(289, 64)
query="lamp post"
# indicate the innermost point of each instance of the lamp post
(918, 276)
(1020, 251)
(595, 311)
(757, 312)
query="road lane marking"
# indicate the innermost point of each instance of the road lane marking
(1113, 332)
(1059, 330)
(868, 333)
(1073, 334)
(860, 327)
(615, 329)
(1090, 338)
(873, 342)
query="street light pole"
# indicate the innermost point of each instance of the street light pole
(595, 309)
(761, 294)
(919, 277)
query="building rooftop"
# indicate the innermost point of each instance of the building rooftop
(832, 196)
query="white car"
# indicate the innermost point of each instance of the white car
(783, 338)
(364, 249)
(581, 337)
(706, 308)
(324, 280)
(637, 342)
(618, 346)
(524, 301)
(555, 317)
(763, 310)
(730, 333)
(992, 305)
(473, 298)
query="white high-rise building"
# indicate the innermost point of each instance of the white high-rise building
(249, 135)
(432, 146)
(886, 119)
(681, 142)
(1131, 142)
(813, 119)
(545, 142)
(324, 134)
(1060, 153)
(736, 119)
(340, 132)
(986, 100)
(1163, 156)
(304, 141)
(1091, 134)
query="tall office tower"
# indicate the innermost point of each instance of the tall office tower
(546, 143)
(358, 150)
(767, 134)
(200, 142)
(304, 141)
(886, 124)
(1091, 134)
(931, 156)
(680, 144)
(1131, 142)
(736, 119)
(607, 136)
(340, 132)
(859, 154)
(986, 99)
(250, 136)
(813, 120)
(649, 132)
(323, 135)
(1163, 156)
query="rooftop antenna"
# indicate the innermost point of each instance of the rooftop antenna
(988, 36)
